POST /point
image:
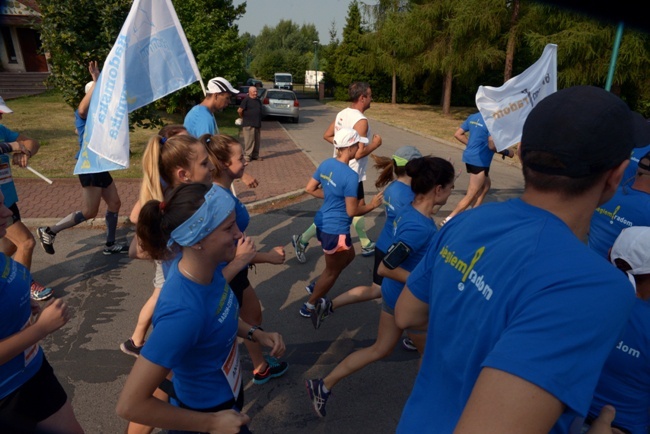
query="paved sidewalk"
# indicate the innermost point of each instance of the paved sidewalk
(284, 171)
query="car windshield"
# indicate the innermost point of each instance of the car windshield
(283, 78)
(272, 94)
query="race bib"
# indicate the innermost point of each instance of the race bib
(232, 369)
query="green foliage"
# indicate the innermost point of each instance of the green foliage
(286, 47)
(74, 32)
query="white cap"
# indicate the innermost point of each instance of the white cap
(346, 137)
(219, 85)
(3, 106)
(633, 246)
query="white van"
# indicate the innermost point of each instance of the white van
(283, 80)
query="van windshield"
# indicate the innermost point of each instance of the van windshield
(283, 78)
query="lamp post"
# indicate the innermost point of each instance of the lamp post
(316, 61)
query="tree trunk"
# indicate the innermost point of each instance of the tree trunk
(393, 99)
(512, 39)
(446, 93)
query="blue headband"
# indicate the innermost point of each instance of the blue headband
(217, 207)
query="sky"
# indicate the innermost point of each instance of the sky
(317, 12)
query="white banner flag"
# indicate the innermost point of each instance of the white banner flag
(150, 59)
(505, 108)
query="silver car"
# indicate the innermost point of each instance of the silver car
(280, 102)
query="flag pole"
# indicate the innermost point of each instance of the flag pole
(612, 62)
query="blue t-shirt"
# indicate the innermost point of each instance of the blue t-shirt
(477, 152)
(416, 231)
(199, 121)
(628, 207)
(194, 331)
(80, 126)
(6, 180)
(338, 182)
(529, 299)
(625, 379)
(15, 313)
(396, 196)
(630, 171)
(242, 217)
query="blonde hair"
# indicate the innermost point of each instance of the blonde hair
(161, 156)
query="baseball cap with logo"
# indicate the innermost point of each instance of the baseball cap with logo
(633, 246)
(588, 130)
(405, 154)
(3, 106)
(346, 137)
(219, 85)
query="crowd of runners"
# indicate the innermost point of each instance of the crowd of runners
(520, 322)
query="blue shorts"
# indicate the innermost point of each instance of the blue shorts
(334, 243)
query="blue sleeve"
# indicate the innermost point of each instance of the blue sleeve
(419, 281)
(6, 135)
(351, 184)
(465, 125)
(174, 333)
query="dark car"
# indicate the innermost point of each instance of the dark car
(254, 82)
(243, 91)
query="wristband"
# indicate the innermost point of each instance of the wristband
(249, 336)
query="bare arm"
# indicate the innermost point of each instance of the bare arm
(504, 403)
(137, 403)
(460, 136)
(312, 188)
(354, 207)
(399, 274)
(329, 134)
(270, 340)
(246, 251)
(84, 105)
(410, 311)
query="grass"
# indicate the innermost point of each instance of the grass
(48, 119)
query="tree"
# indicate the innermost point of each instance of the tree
(74, 32)
(286, 47)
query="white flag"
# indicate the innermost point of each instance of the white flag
(506, 108)
(151, 58)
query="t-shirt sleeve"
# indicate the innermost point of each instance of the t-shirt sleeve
(244, 104)
(174, 333)
(419, 281)
(7, 135)
(351, 184)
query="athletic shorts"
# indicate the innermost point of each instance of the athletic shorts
(102, 179)
(361, 194)
(239, 283)
(15, 213)
(37, 399)
(475, 170)
(379, 256)
(334, 243)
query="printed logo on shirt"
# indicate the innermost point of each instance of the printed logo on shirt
(328, 178)
(225, 304)
(388, 205)
(613, 216)
(628, 350)
(467, 270)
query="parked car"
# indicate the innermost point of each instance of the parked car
(254, 82)
(280, 102)
(243, 91)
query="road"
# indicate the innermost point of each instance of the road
(106, 293)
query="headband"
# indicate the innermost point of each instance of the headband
(218, 205)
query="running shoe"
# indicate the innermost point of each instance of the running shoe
(274, 369)
(317, 395)
(369, 250)
(300, 248)
(322, 310)
(116, 248)
(39, 292)
(46, 237)
(128, 347)
(305, 312)
(310, 288)
(408, 344)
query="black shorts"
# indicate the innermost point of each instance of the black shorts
(475, 170)
(239, 283)
(360, 193)
(379, 256)
(102, 179)
(15, 213)
(39, 398)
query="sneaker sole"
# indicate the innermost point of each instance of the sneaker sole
(303, 315)
(41, 297)
(366, 254)
(40, 241)
(267, 379)
(125, 350)
(408, 347)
